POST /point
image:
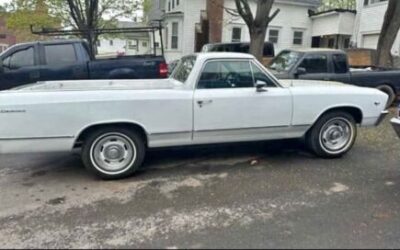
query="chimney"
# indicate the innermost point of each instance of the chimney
(215, 14)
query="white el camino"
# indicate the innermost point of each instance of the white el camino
(210, 98)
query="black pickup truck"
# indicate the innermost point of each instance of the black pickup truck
(70, 60)
(332, 65)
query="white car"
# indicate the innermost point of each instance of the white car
(210, 98)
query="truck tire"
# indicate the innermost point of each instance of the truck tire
(113, 152)
(333, 135)
(390, 92)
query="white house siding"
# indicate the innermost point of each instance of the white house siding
(291, 17)
(190, 15)
(369, 24)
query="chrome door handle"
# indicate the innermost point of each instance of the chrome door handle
(202, 103)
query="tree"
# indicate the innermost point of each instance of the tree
(89, 15)
(23, 13)
(257, 24)
(389, 31)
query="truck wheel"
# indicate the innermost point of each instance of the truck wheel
(333, 135)
(390, 92)
(113, 152)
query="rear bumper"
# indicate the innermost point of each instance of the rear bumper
(382, 117)
(396, 125)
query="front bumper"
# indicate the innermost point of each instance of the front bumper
(396, 125)
(382, 117)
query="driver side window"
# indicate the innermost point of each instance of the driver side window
(226, 74)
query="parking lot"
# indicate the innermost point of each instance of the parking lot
(272, 194)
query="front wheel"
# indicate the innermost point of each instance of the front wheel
(333, 135)
(113, 152)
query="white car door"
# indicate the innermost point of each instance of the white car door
(228, 107)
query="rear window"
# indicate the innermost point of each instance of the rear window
(340, 63)
(60, 54)
(184, 68)
(268, 51)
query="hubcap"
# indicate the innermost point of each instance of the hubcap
(336, 135)
(113, 153)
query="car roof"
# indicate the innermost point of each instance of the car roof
(226, 55)
(316, 50)
(60, 41)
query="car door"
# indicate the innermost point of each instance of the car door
(228, 107)
(20, 68)
(316, 67)
(61, 62)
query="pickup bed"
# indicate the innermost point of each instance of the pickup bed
(332, 65)
(70, 60)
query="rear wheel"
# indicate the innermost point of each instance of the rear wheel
(113, 152)
(390, 92)
(333, 135)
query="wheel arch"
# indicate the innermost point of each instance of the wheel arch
(354, 111)
(84, 132)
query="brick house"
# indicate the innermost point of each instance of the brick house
(6, 37)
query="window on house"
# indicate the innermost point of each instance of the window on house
(169, 6)
(173, 4)
(315, 64)
(174, 36)
(273, 36)
(298, 38)
(331, 43)
(236, 34)
(347, 43)
(167, 36)
(144, 44)
(177, 2)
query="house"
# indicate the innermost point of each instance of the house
(368, 24)
(189, 24)
(333, 28)
(126, 44)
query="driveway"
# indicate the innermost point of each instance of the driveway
(270, 195)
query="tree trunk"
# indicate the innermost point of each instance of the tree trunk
(390, 29)
(257, 39)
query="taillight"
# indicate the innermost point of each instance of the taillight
(163, 70)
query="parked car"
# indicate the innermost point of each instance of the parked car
(396, 122)
(210, 98)
(70, 60)
(332, 65)
(268, 54)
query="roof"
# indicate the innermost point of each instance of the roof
(315, 50)
(58, 41)
(315, 14)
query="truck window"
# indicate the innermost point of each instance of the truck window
(184, 69)
(340, 63)
(60, 54)
(22, 58)
(315, 64)
(226, 74)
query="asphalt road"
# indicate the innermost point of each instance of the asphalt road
(269, 195)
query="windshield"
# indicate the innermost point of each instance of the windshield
(184, 68)
(285, 61)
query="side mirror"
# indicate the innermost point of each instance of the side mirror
(260, 86)
(301, 71)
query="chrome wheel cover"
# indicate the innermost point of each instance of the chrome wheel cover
(336, 135)
(113, 153)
